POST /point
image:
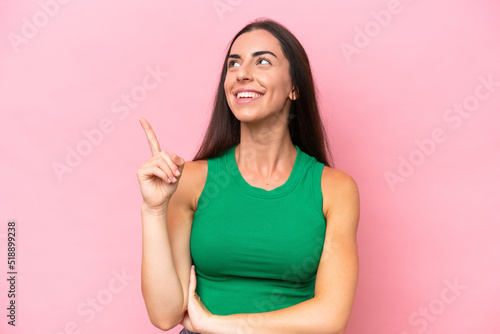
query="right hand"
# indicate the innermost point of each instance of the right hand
(157, 177)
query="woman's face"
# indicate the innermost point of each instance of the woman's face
(257, 63)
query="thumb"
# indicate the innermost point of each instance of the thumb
(178, 160)
(192, 281)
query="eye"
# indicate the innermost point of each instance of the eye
(231, 62)
(263, 59)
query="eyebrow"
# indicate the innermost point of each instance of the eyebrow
(255, 54)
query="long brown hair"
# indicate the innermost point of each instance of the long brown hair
(304, 121)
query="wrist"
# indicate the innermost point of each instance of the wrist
(155, 211)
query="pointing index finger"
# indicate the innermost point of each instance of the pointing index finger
(153, 142)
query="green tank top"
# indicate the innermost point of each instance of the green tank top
(256, 250)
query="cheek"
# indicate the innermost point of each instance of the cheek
(277, 83)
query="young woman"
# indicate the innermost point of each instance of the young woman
(260, 234)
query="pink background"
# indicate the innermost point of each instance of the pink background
(390, 88)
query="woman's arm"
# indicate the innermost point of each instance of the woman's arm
(336, 280)
(160, 286)
(166, 257)
(166, 229)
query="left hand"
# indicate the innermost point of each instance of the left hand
(197, 317)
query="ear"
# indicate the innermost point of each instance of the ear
(294, 94)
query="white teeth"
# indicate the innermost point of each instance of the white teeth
(248, 94)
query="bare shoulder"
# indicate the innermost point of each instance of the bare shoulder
(193, 180)
(340, 192)
(334, 178)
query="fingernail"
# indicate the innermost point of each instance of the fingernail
(177, 173)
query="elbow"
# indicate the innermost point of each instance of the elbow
(164, 316)
(333, 326)
(336, 328)
(333, 330)
(339, 331)
(164, 326)
(331, 320)
(165, 323)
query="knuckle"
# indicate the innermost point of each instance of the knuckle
(165, 164)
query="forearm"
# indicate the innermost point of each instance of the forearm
(310, 316)
(160, 284)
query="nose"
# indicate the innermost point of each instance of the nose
(244, 72)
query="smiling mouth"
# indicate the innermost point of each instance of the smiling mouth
(247, 97)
